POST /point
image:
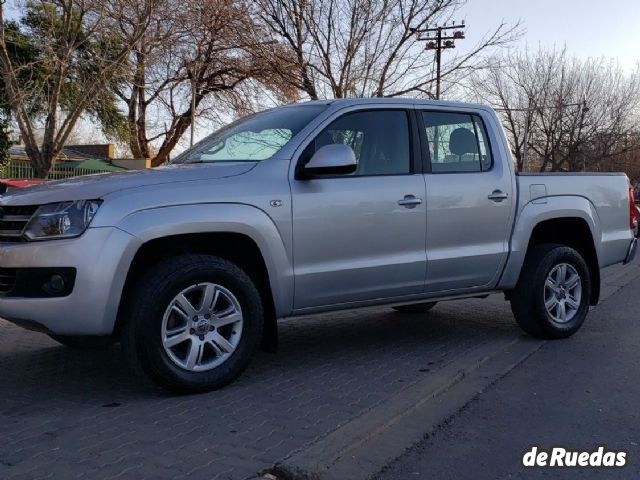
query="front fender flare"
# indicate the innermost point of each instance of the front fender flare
(154, 223)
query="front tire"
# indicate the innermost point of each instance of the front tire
(551, 298)
(193, 323)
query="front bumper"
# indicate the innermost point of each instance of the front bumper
(101, 257)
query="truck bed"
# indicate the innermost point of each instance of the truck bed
(604, 194)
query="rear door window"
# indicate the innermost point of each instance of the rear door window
(457, 142)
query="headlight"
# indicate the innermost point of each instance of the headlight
(61, 220)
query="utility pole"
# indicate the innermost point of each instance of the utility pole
(438, 39)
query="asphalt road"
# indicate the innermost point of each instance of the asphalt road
(577, 393)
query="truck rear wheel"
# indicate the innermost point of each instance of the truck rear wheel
(415, 307)
(551, 299)
(193, 323)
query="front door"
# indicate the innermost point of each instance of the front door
(361, 236)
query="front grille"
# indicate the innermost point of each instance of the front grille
(13, 220)
(7, 280)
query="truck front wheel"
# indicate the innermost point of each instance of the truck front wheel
(551, 299)
(193, 323)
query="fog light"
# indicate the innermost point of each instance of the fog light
(56, 283)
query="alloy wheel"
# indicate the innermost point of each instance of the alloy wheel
(202, 327)
(562, 293)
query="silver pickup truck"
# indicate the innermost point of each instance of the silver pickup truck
(307, 208)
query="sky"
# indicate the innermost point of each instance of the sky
(588, 28)
(609, 28)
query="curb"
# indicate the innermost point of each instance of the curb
(362, 447)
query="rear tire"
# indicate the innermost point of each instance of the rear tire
(193, 323)
(79, 342)
(551, 298)
(415, 308)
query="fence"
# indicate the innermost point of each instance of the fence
(23, 170)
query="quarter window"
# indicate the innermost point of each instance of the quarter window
(457, 142)
(379, 139)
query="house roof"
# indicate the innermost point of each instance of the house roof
(65, 154)
(70, 159)
(96, 164)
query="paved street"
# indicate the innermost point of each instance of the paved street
(84, 415)
(577, 394)
(342, 377)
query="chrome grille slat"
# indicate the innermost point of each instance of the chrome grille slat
(13, 220)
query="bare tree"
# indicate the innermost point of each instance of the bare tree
(576, 114)
(628, 161)
(193, 50)
(356, 48)
(74, 39)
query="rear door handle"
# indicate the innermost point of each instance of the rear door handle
(497, 196)
(410, 201)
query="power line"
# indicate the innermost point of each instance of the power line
(437, 39)
(582, 104)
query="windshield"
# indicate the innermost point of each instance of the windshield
(254, 138)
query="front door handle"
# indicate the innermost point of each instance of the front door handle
(497, 196)
(410, 201)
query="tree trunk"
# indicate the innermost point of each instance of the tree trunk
(40, 171)
(41, 161)
(171, 140)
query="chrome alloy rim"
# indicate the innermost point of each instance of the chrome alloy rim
(562, 293)
(202, 327)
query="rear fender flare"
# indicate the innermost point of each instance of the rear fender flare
(532, 214)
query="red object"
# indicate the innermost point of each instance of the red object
(9, 184)
(634, 216)
(21, 183)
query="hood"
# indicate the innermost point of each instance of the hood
(90, 187)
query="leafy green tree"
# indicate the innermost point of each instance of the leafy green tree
(5, 142)
(21, 53)
(57, 64)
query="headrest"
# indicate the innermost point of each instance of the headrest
(462, 141)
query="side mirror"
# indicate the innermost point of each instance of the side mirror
(336, 159)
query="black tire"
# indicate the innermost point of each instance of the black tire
(78, 342)
(415, 307)
(142, 337)
(528, 297)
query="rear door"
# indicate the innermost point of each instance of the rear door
(470, 198)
